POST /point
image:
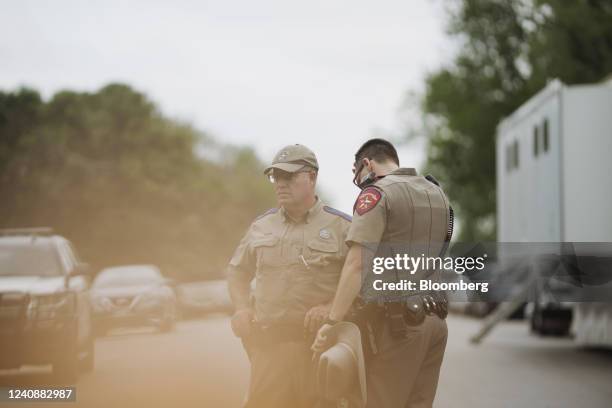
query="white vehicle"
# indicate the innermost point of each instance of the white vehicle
(133, 295)
(554, 181)
(45, 314)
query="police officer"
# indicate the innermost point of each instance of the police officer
(397, 212)
(295, 254)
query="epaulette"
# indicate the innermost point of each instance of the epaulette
(270, 211)
(338, 213)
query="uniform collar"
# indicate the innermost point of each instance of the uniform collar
(312, 212)
(404, 171)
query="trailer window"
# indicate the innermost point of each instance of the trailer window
(536, 141)
(512, 156)
(516, 154)
(508, 159)
(545, 134)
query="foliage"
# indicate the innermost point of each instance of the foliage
(126, 184)
(509, 50)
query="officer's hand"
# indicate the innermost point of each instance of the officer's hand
(322, 341)
(316, 316)
(241, 322)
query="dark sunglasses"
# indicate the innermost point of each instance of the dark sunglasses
(367, 180)
(357, 168)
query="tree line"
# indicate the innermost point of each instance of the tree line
(125, 183)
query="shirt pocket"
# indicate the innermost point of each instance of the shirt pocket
(267, 251)
(271, 283)
(322, 252)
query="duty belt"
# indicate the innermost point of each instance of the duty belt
(413, 308)
(410, 311)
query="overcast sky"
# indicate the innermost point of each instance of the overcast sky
(265, 73)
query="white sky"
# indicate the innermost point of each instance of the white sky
(265, 73)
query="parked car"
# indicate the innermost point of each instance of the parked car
(45, 314)
(133, 295)
(203, 297)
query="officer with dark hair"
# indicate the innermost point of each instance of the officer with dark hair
(397, 212)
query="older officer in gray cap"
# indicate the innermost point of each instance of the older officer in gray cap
(295, 254)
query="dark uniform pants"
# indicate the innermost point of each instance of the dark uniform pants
(404, 373)
(282, 376)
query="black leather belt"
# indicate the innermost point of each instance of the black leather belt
(411, 310)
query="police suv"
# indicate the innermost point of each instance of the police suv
(45, 315)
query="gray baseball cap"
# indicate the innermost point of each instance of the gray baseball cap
(293, 158)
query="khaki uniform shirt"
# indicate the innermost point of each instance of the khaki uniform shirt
(401, 213)
(296, 264)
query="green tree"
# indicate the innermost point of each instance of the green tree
(125, 183)
(509, 50)
(573, 41)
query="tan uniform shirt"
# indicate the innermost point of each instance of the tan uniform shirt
(401, 213)
(401, 207)
(296, 264)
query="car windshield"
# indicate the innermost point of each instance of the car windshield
(28, 260)
(127, 277)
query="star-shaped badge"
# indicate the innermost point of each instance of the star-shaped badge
(367, 200)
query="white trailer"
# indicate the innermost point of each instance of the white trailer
(554, 180)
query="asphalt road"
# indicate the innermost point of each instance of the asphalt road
(512, 368)
(201, 364)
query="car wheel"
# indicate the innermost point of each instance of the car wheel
(554, 322)
(66, 367)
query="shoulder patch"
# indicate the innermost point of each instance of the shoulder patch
(270, 211)
(367, 200)
(338, 213)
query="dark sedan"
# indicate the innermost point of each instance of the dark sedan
(133, 295)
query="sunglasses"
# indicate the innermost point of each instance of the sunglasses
(277, 175)
(357, 168)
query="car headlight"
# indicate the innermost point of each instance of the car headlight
(50, 306)
(102, 304)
